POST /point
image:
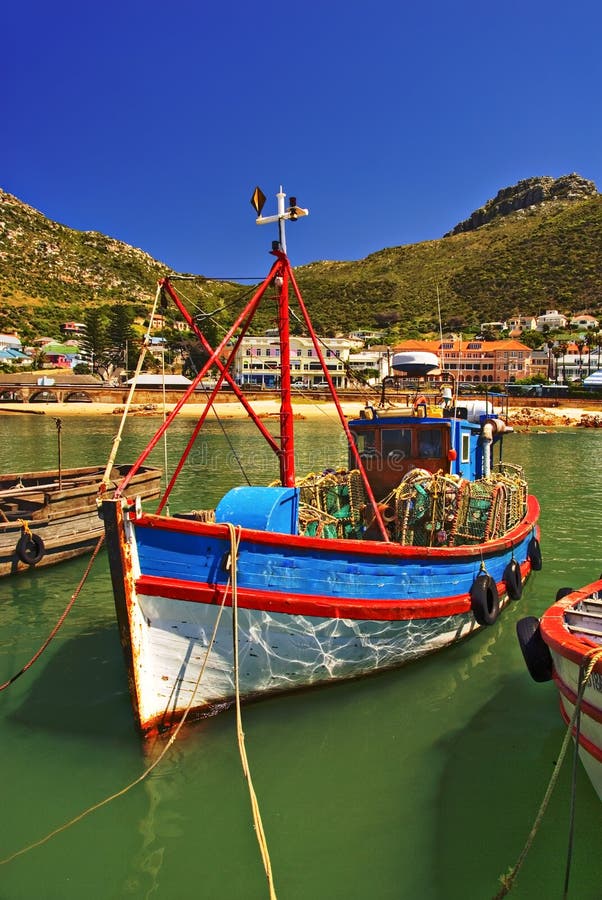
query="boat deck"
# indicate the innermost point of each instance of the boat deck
(585, 618)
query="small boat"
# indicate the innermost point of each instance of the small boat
(564, 645)
(420, 541)
(50, 516)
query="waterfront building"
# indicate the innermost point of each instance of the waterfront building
(477, 361)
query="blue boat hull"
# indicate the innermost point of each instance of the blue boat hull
(308, 610)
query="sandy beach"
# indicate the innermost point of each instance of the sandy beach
(302, 409)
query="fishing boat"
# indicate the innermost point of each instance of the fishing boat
(420, 541)
(50, 516)
(565, 645)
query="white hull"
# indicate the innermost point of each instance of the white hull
(590, 730)
(277, 652)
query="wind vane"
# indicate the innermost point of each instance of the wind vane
(293, 212)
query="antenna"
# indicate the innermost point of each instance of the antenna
(293, 212)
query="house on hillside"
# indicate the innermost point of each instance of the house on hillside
(583, 322)
(64, 356)
(551, 320)
(73, 329)
(517, 324)
(10, 340)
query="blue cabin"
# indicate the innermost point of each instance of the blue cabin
(391, 445)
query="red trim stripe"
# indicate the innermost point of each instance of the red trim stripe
(591, 711)
(567, 644)
(336, 547)
(585, 743)
(317, 606)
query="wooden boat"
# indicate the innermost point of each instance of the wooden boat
(563, 645)
(47, 517)
(418, 543)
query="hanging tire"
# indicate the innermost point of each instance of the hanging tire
(534, 554)
(563, 592)
(535, 651)
(513, 580)
(484, 600)
(30, 548)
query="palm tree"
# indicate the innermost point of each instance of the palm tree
(597, 342)
(563, 346)
(580, 345)
(550, 346)
(556, 353)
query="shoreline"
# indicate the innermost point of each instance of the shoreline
(521, 416)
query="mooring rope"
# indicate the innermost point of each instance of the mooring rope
(509, 879)
(147, 771)
(232, 582)
(62, 618)
(261, 838)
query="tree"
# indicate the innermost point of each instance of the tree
(39, 359)
(95, 345)
(120, 334)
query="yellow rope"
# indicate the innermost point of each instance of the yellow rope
(25, 526)
(106, 478)
(146, 772)
(509, 879)
(261, 838)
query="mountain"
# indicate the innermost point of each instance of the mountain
(535, 245)
(50, 273)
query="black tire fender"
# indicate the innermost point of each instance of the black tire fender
(563, 592)
(30, 548)
(535, 651)
(534, 554)
(484, 600)
(513, 580)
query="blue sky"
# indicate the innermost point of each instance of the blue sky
(152, 122)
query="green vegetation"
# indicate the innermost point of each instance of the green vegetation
(549, 256)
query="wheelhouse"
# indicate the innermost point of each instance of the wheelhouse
(391, 447)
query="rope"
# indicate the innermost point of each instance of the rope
(261, 839)
(164, 398)
(146, 772)
(509, 879)
(117, 440)
(25, 526)
(232, 581)
(64, 615)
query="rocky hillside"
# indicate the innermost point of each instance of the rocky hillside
(528, 194)
(50, 273)
(533, 246)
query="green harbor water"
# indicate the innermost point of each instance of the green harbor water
(421, 783)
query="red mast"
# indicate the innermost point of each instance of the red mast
(281, 282)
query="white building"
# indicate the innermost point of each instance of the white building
(257, 361)
(522, 323)
(551, 320)
(377, 359)
(584, 321)
(10, 341)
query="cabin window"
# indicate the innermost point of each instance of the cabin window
(366, 441)
(429, 443)
(465, 451)
(398, 441)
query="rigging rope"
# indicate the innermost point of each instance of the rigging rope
(509, 879)
(117, 440)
